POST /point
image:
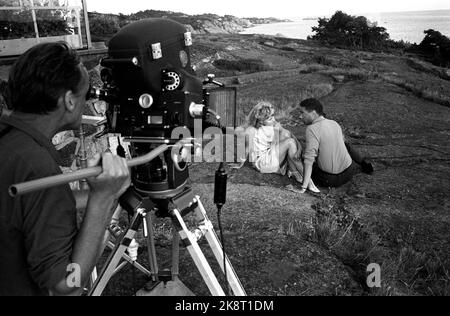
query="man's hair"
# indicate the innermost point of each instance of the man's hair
(260, 112)
(41, 75)
(312, 105)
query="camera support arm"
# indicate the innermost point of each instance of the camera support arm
(44, 183)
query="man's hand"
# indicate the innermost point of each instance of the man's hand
(89, 244)
(115, 178)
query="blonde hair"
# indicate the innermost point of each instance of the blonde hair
(260, 112)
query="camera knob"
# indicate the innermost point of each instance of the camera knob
(171, 80)
(146, 101)
(196, 110)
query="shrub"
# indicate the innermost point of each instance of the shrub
(435, 47)
(346, 31)
(103, 25)
(19, 24)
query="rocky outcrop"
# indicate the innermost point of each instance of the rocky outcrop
(266, 20)
(108, 24)
(216, 24)
(228, 24)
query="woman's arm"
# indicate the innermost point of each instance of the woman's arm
(245, 146)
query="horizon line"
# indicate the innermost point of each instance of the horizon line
(280, 17)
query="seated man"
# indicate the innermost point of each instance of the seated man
(40, 244)
(329, 161)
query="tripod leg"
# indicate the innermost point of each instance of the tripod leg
(149, 234)
(94, 276)
(116, 255)
(197, 255)
(175, 253)
(216, 247)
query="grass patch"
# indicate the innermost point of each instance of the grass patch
(243, 65)
(421, 91)
(351, 74)
(404, 271)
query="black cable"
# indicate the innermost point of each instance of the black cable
(219, 220)
(220, 192)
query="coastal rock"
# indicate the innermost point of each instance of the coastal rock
(213, 24)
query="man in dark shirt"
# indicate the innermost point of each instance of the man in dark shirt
(40, 244)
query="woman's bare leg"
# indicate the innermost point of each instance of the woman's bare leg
(288, 148)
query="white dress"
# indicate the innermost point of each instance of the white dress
(265, 154)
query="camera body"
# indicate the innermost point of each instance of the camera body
(152, 89)
(149, 82)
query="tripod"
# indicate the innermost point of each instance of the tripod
(176, 207)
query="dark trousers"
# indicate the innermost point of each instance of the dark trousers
(326, 179)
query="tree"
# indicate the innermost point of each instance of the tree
(19, 23)
(436, 48)
(343, 30)
(103, 25)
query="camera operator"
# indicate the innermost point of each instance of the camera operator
(40, 243)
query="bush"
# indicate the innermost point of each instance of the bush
(19, 24)
(346, 31)
(435, 47)
(103, 25)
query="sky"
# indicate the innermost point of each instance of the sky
(267, 8)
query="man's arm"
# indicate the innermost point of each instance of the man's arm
(311, 152)
(89, 243)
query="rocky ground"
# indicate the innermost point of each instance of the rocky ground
(394, 109)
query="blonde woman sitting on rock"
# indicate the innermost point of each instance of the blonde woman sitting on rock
(271, 148)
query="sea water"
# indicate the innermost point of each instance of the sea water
(406, 26)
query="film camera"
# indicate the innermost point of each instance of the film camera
(152, 89)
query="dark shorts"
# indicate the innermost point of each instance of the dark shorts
(325, 179)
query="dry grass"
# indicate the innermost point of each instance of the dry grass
(406, 272)
(420, 90)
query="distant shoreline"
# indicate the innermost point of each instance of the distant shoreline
(395, 23)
